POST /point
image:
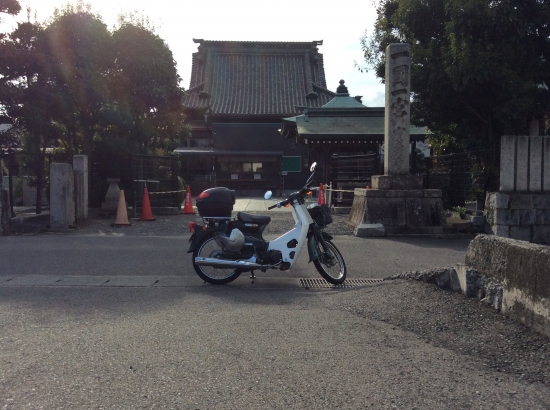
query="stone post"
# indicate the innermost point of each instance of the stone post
(397, 203)
(398, 109)
(4, 213)
(521, 208)
(397, 123)
(80, 167)
(507, 163)
(62, 209)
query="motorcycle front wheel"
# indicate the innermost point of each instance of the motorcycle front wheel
(330, 264)
(209, 248)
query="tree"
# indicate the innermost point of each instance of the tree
(78, 46)
(72, 82)
(26, 92)
(480, 68)
(147, 85)
(10, 7)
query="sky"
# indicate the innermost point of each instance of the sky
(340, 24)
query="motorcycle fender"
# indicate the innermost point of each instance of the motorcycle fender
(312, 246)
(196, 237)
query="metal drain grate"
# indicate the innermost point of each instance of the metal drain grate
(348, 283)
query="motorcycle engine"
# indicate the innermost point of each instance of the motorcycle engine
(271, 257)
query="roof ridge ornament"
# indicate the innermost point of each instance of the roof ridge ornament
(342, 89)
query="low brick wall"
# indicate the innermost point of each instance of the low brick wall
(523, 269)
(519, 215)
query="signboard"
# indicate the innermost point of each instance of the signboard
(291, 164)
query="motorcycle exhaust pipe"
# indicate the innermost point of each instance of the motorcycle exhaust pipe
(221, 263)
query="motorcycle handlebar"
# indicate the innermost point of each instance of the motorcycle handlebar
(279, 204)
(301, 193)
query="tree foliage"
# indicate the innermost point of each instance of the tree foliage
(26, 97)
(72, 83)
(78, 46)
(10, 7)
(147, 84)
(480, 68)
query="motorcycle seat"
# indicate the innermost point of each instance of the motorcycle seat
(253, 219)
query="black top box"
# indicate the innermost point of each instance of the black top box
(216, 202)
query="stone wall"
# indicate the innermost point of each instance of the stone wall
(521, 208)
(524, 164)
(523, 269)
(524, 216)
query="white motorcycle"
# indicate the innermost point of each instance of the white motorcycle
(223, 247)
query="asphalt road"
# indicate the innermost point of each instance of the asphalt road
(392, 345)
(75, 254)
(223, 348)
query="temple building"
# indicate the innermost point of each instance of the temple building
(238, 94)
(260, 114)
(346, 138)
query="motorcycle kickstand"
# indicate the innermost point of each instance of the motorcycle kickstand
(252, 276)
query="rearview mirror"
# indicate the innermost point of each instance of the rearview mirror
(268, 195)
(312, 168)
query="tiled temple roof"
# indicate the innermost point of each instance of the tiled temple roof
(239, 78)
(342, 118)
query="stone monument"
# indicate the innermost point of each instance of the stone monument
(397, 202)
(110, 205)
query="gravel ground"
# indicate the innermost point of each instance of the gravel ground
(464, 325)
(281, 222)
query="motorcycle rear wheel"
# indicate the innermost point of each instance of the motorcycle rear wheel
(209, 248)
(331, 264)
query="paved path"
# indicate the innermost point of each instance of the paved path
(256, 205)
(126, 252)
(394, 345)
(122, 322)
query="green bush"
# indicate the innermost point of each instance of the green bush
(460, 210)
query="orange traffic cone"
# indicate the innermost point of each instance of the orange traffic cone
(188, 206)
(146, 213)
(321, 200)
(121, 213)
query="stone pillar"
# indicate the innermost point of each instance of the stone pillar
(546, 162)
(80, 167)
(521, 208)
(398, 109)
(535, 164)
(397, 204)
(62, 209)
(4, 213)
(507, 163)
(522, 163)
